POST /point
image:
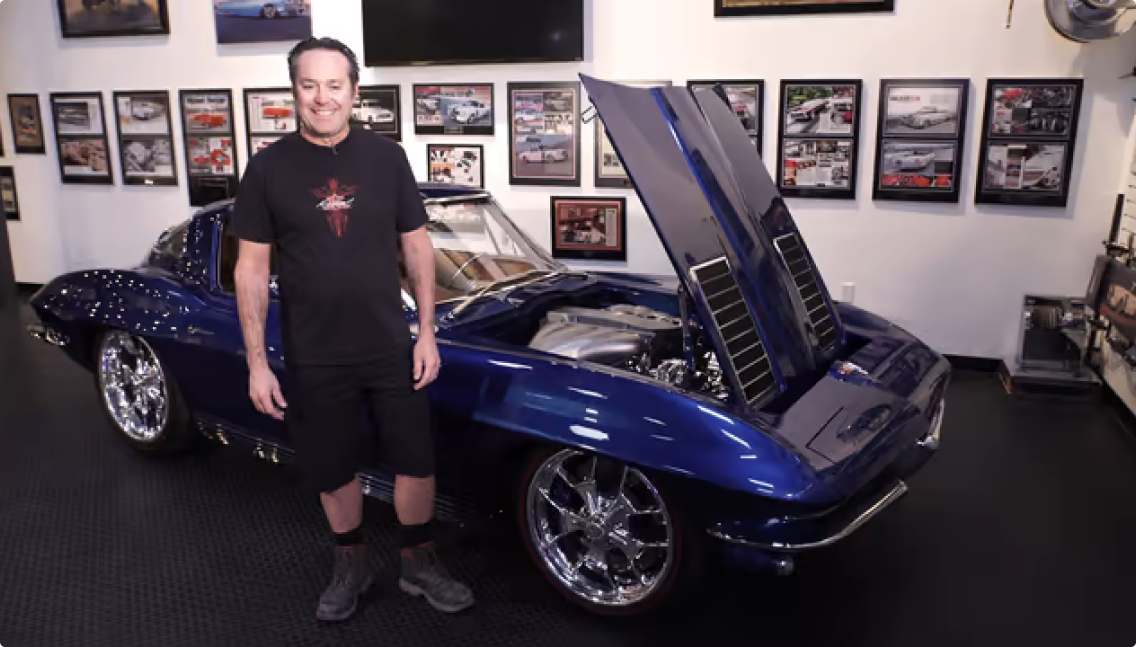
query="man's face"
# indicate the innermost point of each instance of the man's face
(324, 93)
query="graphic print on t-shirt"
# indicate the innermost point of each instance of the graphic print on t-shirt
(335, 203)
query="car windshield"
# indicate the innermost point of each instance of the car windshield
(476, 245)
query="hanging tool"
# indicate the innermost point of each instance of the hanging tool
(1010, 15)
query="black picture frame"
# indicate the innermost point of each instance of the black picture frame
(75, 145)
(255, 133)
(521, 171)
(433, 173)
(757, 132)
(133, 145)
(584, 250)
(603, 152)
(728, 8)
(844, 147)
(921, 120)
(69, 29)
(426, 115)
(381, 97)
(210, 129)
(1057, 117)
(20, 140)
(9, 204)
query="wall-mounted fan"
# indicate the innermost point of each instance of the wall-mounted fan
(1085, 21)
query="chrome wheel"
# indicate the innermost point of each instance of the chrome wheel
(133, 386)
(605, 534)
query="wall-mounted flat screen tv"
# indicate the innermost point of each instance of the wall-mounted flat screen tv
(455, 32)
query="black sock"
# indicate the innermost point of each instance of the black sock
(351, 537)
(415, 535)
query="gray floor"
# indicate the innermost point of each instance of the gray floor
(1021, 532)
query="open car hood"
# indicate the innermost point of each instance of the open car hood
(728, 233)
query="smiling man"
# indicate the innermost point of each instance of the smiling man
(339, 204)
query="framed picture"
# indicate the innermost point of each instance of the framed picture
(461, 164)
(249, 21)
(145, 138)
(453, 109)
(544, 133)
(609, 171)
(270, 113)
(920, 141)
(27, 124)
(209, 134)
(377, 110)
(1029, 131)
(589, 228)
(81, 137)
(817, 143)
(782, 7)
(9, 203)
(747, 98)
(93, 18)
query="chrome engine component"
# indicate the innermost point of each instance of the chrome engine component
(633, 338)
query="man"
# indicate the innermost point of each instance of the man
(339, 203)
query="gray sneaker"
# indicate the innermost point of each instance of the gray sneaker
(423, 574)
(349, 581)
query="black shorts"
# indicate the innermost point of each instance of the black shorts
(338, 414)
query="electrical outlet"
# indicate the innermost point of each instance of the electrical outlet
(848, 294)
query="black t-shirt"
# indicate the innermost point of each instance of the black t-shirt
(335, 216)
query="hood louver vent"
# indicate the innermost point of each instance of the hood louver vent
(739, 332)
(805, 278)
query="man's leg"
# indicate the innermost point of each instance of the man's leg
(324, 418)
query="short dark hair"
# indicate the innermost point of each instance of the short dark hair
(332, 44)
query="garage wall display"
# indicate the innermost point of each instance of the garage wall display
(270, 113)
(453, 109)
(145, 138)
(589, 228)
(91, 18)
(210, 144)
(919, 146)
(377, 109)
(27, 124)
(1029, 131)
(747, 98)
(818, 136)
(257, 21)
(609, 171)
(461, 164)
(81, 137)
(544, 133)
(8, 200)
(780, 7)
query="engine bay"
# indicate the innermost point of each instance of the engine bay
(629, 337)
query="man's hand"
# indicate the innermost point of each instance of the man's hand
(264, 390)
(426, 360)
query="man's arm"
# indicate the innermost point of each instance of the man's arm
(419, 254)
(251, 275)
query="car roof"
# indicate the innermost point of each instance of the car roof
(428, 190)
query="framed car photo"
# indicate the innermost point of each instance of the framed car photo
(589, 228)
(377, 109)
(544, 133)
(209, 132)
(460, 164)
(817, 147)
(9, 202)
(81, 137)
(93, 18)
(27, 124)
(270, 113)
(145, 138)
(783, 7)
(1029, 131)
(747, 99)
(453, 109)
(920, 139)
(608, 169)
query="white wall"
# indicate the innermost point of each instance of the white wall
(953, 274)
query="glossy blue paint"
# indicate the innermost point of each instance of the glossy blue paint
(793, 471)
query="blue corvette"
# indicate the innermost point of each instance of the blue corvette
(633, 426)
